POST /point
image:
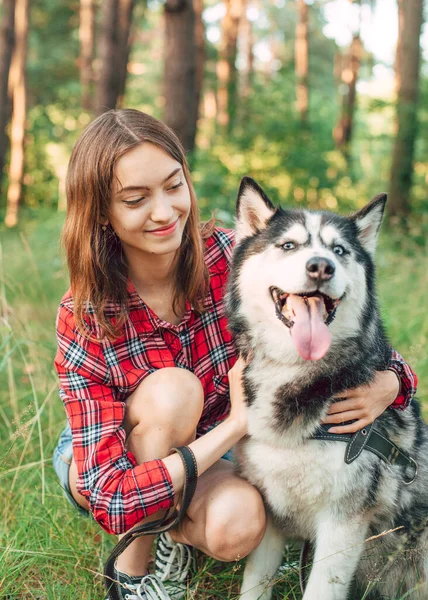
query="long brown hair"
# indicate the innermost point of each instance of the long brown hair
(97, 265)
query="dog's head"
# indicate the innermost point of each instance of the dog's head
(303, 278)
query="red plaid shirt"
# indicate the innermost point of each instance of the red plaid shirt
(97, 377)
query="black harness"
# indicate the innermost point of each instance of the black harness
(369, 438)
(171, 519)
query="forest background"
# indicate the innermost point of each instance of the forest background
(323, 102)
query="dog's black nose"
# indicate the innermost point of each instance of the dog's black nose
(320, 268)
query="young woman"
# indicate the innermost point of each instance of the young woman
(145, 359)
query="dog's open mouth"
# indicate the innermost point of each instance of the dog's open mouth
(287, 304)
(307, 316)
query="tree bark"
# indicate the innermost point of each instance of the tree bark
(126, 8)
(18, 88)
(198, 6)
(180, 110)
(247, 37)
(410, 16)
(301, 57)
(87, 39)
(107, 91)
(342, 133)
(226, 67)
(7, 36)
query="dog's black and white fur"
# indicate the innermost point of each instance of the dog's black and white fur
(309, 491)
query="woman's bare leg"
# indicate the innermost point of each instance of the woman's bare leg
(215, 521)
(162, 413)
(226, 518)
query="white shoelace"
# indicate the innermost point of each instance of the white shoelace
(173, 560)
(149, 588)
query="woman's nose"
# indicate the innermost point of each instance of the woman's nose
(161, 209)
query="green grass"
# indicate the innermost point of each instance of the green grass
(46, 550)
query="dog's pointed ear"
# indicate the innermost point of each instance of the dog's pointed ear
(368, 221)
(253, 209)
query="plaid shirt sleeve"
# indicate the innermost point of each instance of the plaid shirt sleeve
(120, 492)
(407, 378)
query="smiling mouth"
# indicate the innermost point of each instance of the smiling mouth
(166, 228)
(287, 305)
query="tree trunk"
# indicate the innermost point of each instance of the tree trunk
(247, 38)
(342, 133)
(126, 8)
(87, 38)
(108, 79)
(7, 35)
(410, 13)
(226, 67)
(180, 70)
(18, 89)
(302, 61)
(198, 6)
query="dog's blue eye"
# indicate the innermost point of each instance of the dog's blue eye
(340, 250)
(289, 246)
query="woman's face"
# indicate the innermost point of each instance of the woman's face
(150, 202)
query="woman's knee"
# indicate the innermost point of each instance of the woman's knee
(236, 523)
(170, 397)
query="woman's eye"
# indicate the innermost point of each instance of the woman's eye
(133, 202)
(339, 250)
(177, 185)
(289, 246)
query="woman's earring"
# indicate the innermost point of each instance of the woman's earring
(104, 227)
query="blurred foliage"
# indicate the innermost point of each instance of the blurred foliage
(296, 165)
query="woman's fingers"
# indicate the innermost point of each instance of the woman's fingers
(352, 428)
(345, 405)
(343, 417)
(355, 410)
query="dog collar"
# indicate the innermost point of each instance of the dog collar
(369, 438)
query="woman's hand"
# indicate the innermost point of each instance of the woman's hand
(364, 404)
(238, 410)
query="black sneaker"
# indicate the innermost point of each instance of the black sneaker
(133, 587)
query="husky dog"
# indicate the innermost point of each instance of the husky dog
(301, 302)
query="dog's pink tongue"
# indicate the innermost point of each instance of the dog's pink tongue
(309, 332)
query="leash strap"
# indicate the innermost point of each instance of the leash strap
(170, 519)
(370, 439)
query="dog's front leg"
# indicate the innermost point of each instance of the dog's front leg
(262, 565)
(338, 548)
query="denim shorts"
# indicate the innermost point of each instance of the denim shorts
(62, 461)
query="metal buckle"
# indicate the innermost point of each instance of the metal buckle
(416, 472)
